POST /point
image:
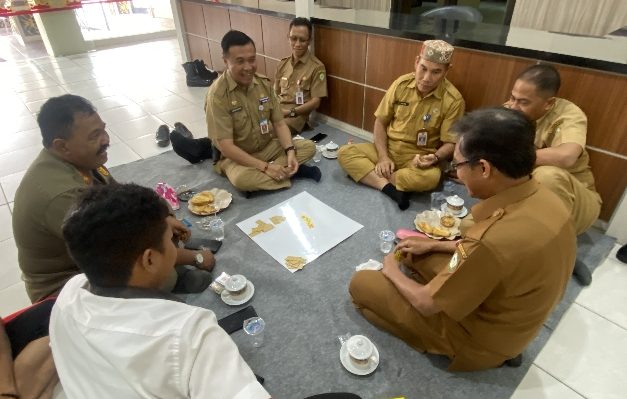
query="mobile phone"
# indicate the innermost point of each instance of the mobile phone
(318, 137)
(235, 321)
(203, 244)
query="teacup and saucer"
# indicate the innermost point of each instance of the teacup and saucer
(359, 355)
(237, 290)
(330, 150)
(454, 205)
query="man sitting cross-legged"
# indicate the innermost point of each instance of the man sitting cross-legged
(482, 299)
(114, 333)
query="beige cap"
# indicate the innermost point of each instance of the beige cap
(437, 51)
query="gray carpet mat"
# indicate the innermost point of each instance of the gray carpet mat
(306, 311)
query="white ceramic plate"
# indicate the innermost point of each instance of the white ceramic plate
(221, 200)
(229, 300)
(348, 365)
(463, 213)
(329, 155)
(433, 219)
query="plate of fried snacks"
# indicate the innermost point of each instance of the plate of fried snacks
(209, 202)
(437, 224)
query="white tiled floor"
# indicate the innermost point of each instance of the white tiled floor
(136, 88)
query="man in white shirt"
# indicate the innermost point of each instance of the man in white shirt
(113, 333)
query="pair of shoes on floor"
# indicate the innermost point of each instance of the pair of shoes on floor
(187, 147)
(191, 280)
(162, 136)
(198, 75)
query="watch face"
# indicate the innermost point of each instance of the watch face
(199, 258)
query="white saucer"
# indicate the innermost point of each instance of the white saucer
(346, 362)
(229, 300)
(463, 213)
(328, 155)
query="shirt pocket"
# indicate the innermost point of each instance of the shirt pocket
(240, 121)
(284, 85)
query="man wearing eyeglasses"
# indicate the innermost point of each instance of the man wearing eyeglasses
(481, 300)
(411, 130)
(301, 79)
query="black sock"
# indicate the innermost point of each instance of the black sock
(193, 150)
(309, 172)
(401, 198)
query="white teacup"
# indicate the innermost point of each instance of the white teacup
(331, 148)
(236, 285)
(454, 204)
(359, 350)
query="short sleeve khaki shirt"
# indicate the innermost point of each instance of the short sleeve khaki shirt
(406, 112)
(566, 123)
(235, 112)
(308, 75)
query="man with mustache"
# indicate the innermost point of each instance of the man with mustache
(300, 79)
(245, 123)
(75, 150)
(411, 131)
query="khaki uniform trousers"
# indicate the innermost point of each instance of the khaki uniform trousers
(360, 159)
(381, 303)
(245, 178)
(297, 123)
(584, 204)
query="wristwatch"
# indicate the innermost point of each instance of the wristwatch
(288, 149)
(198, 259)
(292, 113)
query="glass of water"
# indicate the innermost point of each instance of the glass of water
(254, 327)
(216, 227)
(318, 154)
(386, 241)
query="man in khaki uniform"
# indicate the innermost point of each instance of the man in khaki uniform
(562, 162)
(482, 299)
(411, 131)
(75, 150)
(245, 123)
(300, 79)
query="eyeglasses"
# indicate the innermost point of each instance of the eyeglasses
(295, 39)
(455, 165)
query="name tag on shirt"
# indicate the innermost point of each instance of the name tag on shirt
(401, 103)
(234, 110)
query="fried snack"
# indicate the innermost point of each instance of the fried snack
(308, 221)
(295, 262)
(398, 255)
(203, 209)
(277, 219)
(440, 232)
(261, 227)
(203, 198)
(425, 227)
(447, 221)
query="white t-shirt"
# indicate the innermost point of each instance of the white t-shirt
(107, 347)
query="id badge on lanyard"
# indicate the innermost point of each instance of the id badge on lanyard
(299, 95)
(423, 134)
(264, 124)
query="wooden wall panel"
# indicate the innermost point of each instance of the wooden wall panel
(199, 49)
(261, 64)
(271, 67)
(193, 18)
(371, 102)
(610, 179)
(250, 24)
(603, 97)
(275, 33)
(389, 58)
(342, 52)
(217, 22)
(345, 101)
(215, 52)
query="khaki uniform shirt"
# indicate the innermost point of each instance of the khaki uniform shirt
(403, 110)
(566, 123)
(308, 75)
(48, 190)
(507, 274)
(235, 112)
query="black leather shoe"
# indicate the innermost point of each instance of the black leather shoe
(514, 362)
(179, 127)
(162, 137)
(622, 254)
(192, 150)
(582, 273)
(192, 77)
(205, 72)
